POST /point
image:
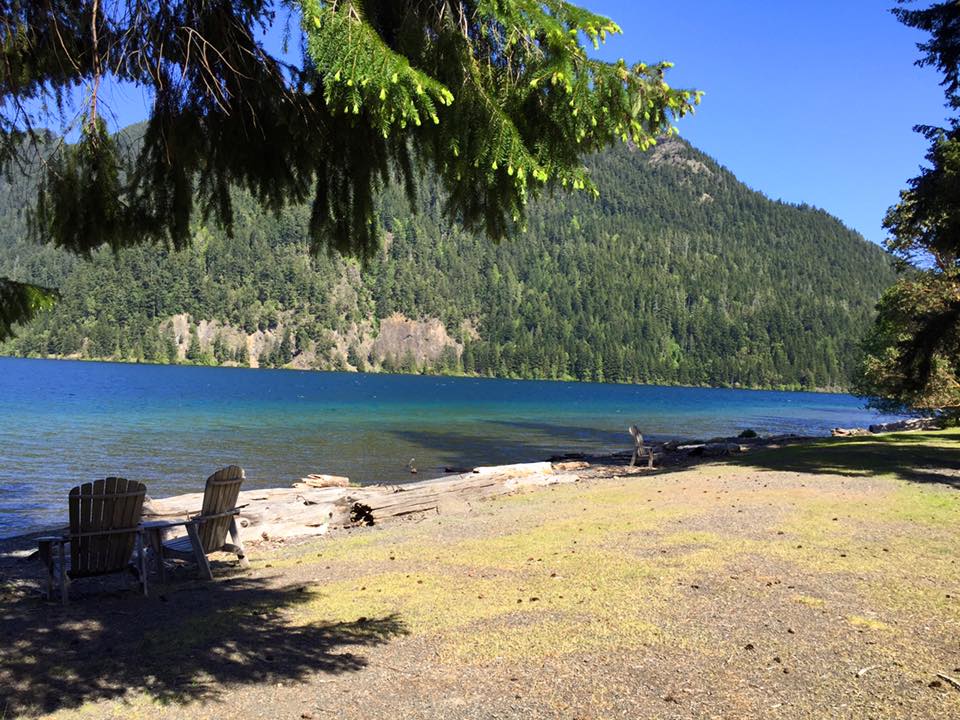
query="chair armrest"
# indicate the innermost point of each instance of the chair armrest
(100, 533)
(194, 520)
(164, 524)
(54, 539)
(172, 514)
(232, 511)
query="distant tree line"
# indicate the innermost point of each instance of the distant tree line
(678, 273)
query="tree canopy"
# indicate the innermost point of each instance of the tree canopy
(912, 357)
(499, 98)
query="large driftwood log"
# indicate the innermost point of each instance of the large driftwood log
(302, 510)
(322, 481)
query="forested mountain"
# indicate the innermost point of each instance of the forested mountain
(677, 273)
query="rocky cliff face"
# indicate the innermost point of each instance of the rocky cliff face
(396, 342)
(401, 339)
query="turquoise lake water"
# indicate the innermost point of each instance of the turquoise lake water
(63, 422)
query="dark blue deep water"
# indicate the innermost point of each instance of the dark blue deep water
(62, 423)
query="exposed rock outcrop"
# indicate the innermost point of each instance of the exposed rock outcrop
(422, 341)
(671, 151)
(396, 341)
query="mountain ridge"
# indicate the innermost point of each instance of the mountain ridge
(677, 273)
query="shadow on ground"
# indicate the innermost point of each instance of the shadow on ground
(190, 642)
(916, 457)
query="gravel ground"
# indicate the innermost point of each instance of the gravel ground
(812, 581)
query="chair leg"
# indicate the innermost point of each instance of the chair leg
(142, 562)
(633, 460)
(235, 537)
(156, 545)
(64, 595)
(202, 565)
(46, 557)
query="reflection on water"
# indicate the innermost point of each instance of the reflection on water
(62, 423)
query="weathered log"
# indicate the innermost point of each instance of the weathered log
(303, 510)
(322, 481)
(849, 432)
(927, 423)
(569, 465)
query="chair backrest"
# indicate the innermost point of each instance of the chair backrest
(637, 437)
(220, 495)
(104, 519)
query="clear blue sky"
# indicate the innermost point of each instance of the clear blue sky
(805, 101)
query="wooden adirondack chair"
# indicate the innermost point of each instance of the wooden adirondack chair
(104, 532)
(639, 449)
(206, 531)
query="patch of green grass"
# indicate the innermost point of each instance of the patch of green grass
(539, 637)
(868, 623)
(134, 706)
(912, 456)
(555, 572)
(935, 506)
(485, 609)
(933, 597)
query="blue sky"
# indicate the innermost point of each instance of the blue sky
(809, 101)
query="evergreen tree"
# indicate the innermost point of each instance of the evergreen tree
(285, 349)
(499, 99)
(169, 349)
(194, 351)
(738, 290)
(355, 359)
(243, 355)
(220, 351)
(912, 354)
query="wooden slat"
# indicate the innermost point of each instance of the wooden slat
(109, 522)
(98, 545)
(130, 517)
(73, 504)
(214, 538)
(119, 519)
(211, 501)
(86, 515)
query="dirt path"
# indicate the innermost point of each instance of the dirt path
(816, 581)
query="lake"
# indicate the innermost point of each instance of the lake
(65, 422)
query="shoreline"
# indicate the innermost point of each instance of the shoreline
(307, 510)
(815, 576)
(664, 384)
(301, 511)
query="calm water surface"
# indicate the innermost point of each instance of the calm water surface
(62, 423)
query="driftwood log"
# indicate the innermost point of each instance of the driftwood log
(322, 481)
(303, 510)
